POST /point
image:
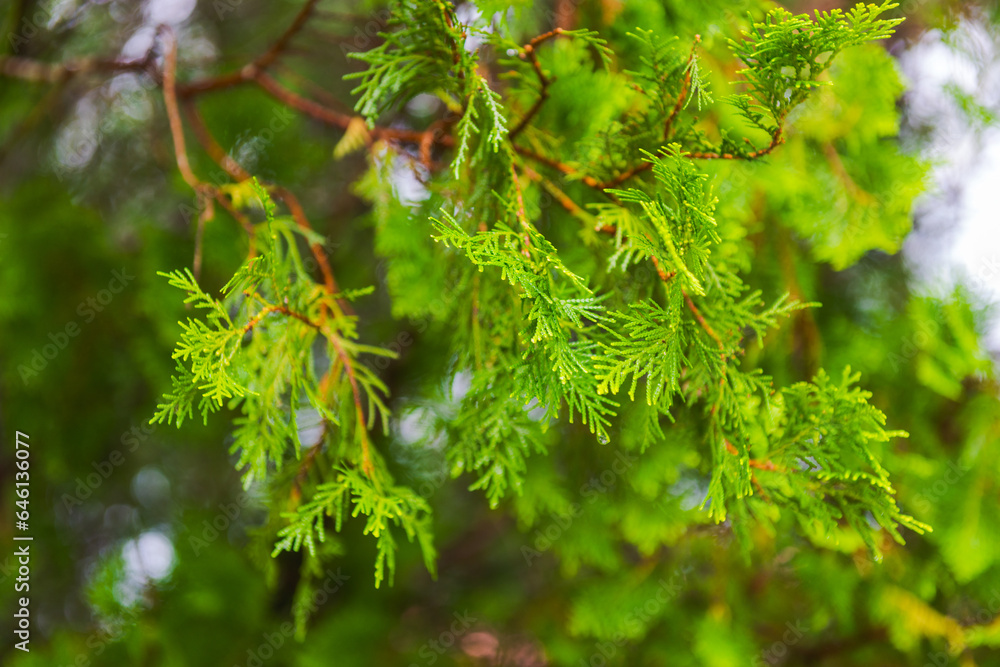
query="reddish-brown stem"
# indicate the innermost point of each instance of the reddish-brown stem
(244, 221)
(776, 140)
(528, 52)
(685, 89)
(664, 275)
(208, 213)
(703, 322)
(625, 175)
(538, 39)
(211, 146)
(173, 115)
(434, 133)
(299, 215)
(34, 71)
(247, 72)
(284, 310)
(560, 196)
(230, 166)
(338, 119)
(522, 216)
(281, 44)
(555, 164)
(366, 460)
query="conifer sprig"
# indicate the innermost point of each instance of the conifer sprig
(540, 321)
(275, 346)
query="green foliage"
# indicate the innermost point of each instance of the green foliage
(785, 54)
(544, 339)
(596, 270)
(553, 358)
(383, 507)
(268, 361)
(423, 50)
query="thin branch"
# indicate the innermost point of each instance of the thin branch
(211, 146)
(528, 52)
(366, 461)
(34, 71)
(571, 206)
(305, 105)
(522, 217)
(334, 340)
(703, 322)
(685, 89)
(767, 465)
(173, 114)
(852, 187)
(338, 119)
(286, 37)
(537, 40)
(299, 215)
(431, 135)
(226, 163)
(777, 139)
(284, 310)
(664, 275)
(318, 91)
(248, 72)
(244, 221)
(208, 213)
(560, 166)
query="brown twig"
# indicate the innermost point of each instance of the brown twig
(34, 71)
(208, 213)
(366, 461)
(852, 187)
(703, 322)
(571, 206)
(286, 37)
(338, 119)
(284, 310)
(211, 146)
(299, 215)
(664, 275)
(545, 36)
(756, 463)
(244, 221)
(528, 53)
(777, 139)
(250, 70)
(318, 91)
(522, 216)
(431, 135)
(226, 163)
(682, 96)
(173, 114)
(560, 166)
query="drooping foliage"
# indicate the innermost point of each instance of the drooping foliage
(586, 320)
(544, 345)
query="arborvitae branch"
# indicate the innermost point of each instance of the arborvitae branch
(537, 322)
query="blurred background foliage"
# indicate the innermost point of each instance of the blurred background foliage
(131, 570)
